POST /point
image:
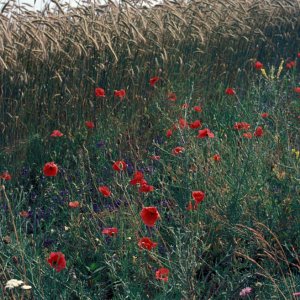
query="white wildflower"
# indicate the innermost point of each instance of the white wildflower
(26, 287)
(12, 283)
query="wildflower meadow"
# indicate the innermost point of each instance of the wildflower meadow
(150, 150)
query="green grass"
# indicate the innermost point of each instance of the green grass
(244, 233)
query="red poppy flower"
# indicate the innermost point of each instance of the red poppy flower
(121, 93)
(56, 133)
(119, 165)
(104, 190)
(290, 64)
(138, 178)
(172, 96)
(155, 157)
(153, 80)
(162, 274)
(216, 157)
(196, 124)
(241, 126)
(169, 133)
(57, 261)
(110, 231)
(185, 106)
(6, 176)
(149, 215)
(197, 108)
(146, 188)
(247, 135)
(198, 196)
(297, 90)
(50, 169)
(99, 92)
(264, 115)
(24, 214)
(146, 243)
(298, 54)
(258, 65)
(143, 181)
(258, 131)
(74, 204)
(192, 206)
(183, 123)
(205, 133)
(90, 124)
(230, 91)
(177, 150)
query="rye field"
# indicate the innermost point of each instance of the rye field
(150, 150)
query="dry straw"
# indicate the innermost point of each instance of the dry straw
(56, 57)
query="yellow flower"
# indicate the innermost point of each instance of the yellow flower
(297, 153)
(280, 68)
(264, 73)
(271, 75)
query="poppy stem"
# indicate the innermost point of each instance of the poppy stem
(15, 228)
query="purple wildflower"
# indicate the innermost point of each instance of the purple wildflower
(100, 144)
(96, 207)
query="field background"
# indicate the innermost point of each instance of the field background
(246, 231)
